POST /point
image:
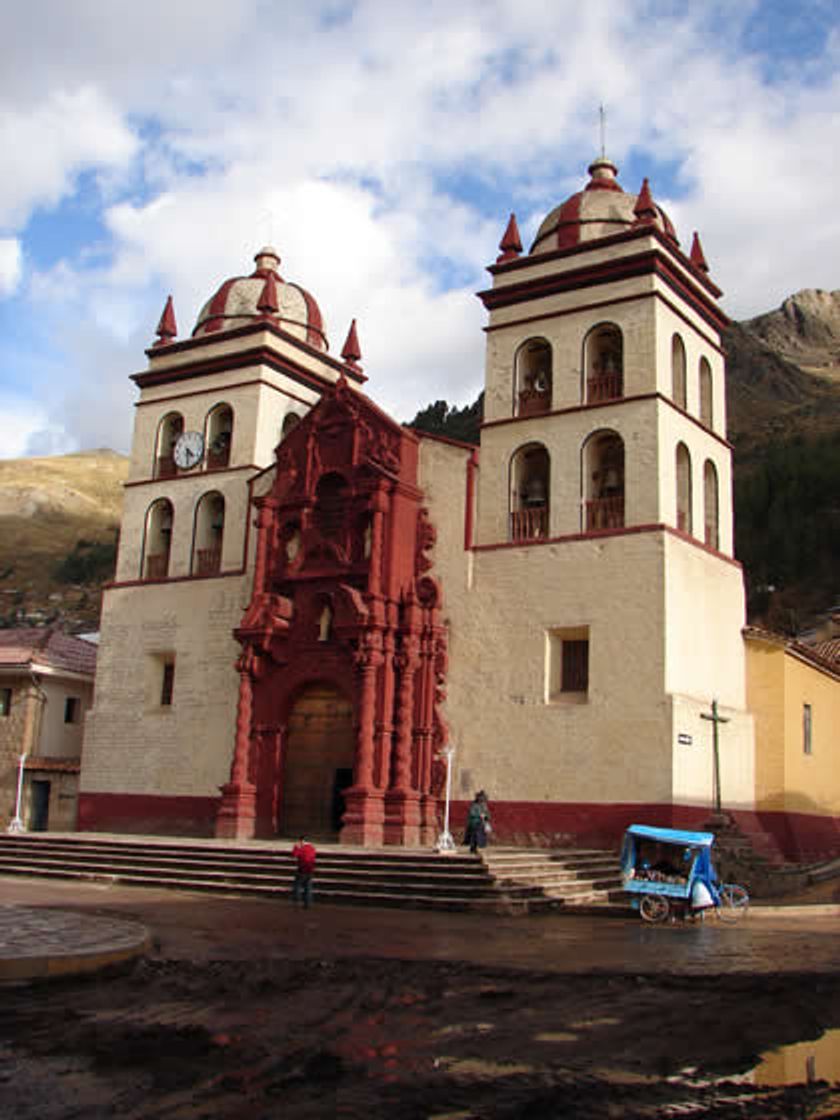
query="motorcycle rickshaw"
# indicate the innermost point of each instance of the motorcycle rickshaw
(668, 872)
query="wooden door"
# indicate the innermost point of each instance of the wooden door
(320, 748)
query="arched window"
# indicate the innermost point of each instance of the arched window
(603, 482)
(208, 534)
(219, 436)
(683, 489)
(706, 405)
(678, 380)
(330, 505)
(169, 430)
(290, 421)
(604, 363)
(530, 470)
(533, 378)
(157, 540)
(711, 505)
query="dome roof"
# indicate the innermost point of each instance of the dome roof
(264, 295)
(602, 208)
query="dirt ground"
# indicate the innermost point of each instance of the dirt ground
(372, 1038)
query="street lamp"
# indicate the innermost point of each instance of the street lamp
(445, 843)
(16, 823)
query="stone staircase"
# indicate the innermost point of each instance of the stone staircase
(505, 881)
(570, 878)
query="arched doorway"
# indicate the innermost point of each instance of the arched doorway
(318, 762)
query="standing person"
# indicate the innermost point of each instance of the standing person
(305, 855)
(478, 823)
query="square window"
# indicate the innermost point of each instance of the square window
(5, 701)
(567, 665)
(71, 709)
(807, 721)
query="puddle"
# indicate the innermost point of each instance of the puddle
(556, 1036)
(587, 1024)
(817, 1060)
(481, 1067)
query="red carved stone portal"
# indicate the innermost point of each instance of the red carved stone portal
(343, 598)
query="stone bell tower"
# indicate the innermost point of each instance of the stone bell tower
(603, 533)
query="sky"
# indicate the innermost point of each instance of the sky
(380, 146)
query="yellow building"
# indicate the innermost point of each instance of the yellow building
(794, 694)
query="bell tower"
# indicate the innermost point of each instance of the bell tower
(603, 528)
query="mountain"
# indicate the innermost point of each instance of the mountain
(59, 519)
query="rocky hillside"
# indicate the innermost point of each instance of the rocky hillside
(804, 330)
(59, 518)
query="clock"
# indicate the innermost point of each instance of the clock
(189, 450)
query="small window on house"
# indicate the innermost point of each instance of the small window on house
(806, 728)
(568, 665)
(5, 701)
(71, 709)
(167, 684)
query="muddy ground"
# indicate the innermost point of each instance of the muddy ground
(403, 1039)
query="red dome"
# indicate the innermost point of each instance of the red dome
(602, 208)
(242, 300)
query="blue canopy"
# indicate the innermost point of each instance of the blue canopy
(672, 836)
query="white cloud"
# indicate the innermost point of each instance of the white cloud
(342, 133)
(11, 265)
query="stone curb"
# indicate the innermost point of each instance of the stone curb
(42, 943)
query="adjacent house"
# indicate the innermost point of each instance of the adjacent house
(46, 687)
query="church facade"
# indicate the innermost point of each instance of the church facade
(312, 601)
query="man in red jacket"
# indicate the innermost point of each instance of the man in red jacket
(304, 854)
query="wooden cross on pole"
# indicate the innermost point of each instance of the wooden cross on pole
(715, 719)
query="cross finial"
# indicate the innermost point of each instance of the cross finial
(602, 113)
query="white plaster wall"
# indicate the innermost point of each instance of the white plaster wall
(694, 761)
(614, 747)
(59, 739)
(132, 743)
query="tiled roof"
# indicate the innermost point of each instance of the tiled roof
(48, 648)
(829, 651)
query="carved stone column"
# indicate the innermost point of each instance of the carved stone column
(237, 811)
(364, 814)
(402, 802)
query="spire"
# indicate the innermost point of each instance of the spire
(166, 328)
(696, 255)
(644, 209)
(352, 352)
(511, 243)
(268, 304)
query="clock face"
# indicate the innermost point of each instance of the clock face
(188, 450)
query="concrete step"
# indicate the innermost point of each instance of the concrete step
(509, 881)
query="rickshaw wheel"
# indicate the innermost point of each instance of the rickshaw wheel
(654, 908)
(734, 902)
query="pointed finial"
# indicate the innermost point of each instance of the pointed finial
(351, 351)
(268, 303)
(696, 255)
(602, 113)
(644, 209)
(166, 328)
(511, 243)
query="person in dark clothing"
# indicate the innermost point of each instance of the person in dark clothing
(478, 823)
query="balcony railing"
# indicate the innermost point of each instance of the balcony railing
(165, 467)
(604, 387)
(529, 524)
(605, 513)
(533, 402)
(218, 457)
(157, 565)
(208, 561)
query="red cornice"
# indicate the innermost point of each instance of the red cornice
(608, 404)
(607, 302)
(500, 268)
(213, 472)
(601, 534)
(223, 391)
(259, 353)
(118, 585)
(651, 262)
